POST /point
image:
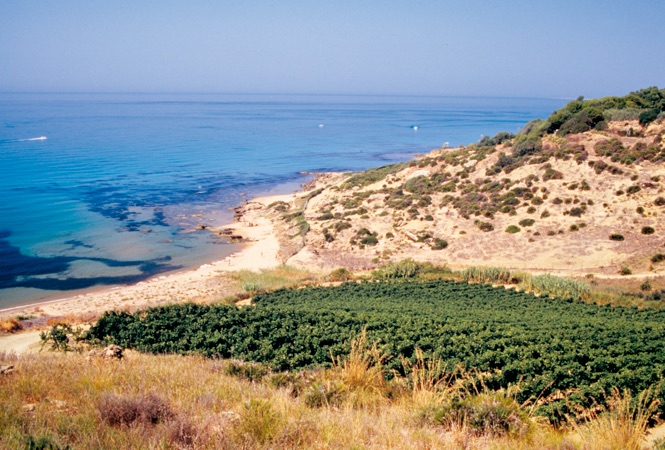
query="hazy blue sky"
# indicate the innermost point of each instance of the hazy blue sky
(474, 47)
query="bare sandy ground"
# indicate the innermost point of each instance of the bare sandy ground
(21, 342)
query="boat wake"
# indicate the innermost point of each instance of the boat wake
(40, 138)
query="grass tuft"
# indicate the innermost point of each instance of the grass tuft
(622, 424)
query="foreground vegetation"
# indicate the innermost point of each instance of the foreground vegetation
(569, 352)
(66, 401)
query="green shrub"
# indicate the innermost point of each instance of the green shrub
(551, 174)
(369, 240)
(340, 274)
(648, 230)
(492, 413)
(439, 244)
(418, 185)
(325, 392)
(527, 222)
(370, 176)
(513, 229)
(526, 145)
(246, 370)
(658, 257)
(582, 121)
(648, 116)
(484, 226)
(498, 139)
(576, 212)
(616, 237)
(44, 442)
(625, 271)
(58, 337)
(341, 226)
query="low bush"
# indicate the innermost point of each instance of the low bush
(493, 414)
(527, 222)
(10, 325)
(513, 229)
(246, 370)
(648, 230)
(616, 237)
(341, 226)
(658, 257)
(340, 274)
(439, 244)
(129, 410)
(484, 226)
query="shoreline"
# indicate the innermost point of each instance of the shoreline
(203, 283)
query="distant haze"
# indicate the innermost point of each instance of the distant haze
(476, 47)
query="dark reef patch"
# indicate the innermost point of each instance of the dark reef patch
(19, 270)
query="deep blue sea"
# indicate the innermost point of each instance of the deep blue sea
(110, 192)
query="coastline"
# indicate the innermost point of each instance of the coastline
(207, 283)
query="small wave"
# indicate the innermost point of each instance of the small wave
(40, 138)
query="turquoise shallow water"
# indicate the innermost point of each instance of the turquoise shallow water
(112, 193)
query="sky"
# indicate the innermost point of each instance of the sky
(516, 48)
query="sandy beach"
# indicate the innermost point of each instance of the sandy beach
(204, 284)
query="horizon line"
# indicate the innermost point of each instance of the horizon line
(284, 94)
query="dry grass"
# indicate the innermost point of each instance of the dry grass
(168, 401)
(74, 319)
(622, 425)
(361, 373)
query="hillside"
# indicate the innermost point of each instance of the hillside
(584, 197)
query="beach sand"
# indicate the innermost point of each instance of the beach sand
(206, 283)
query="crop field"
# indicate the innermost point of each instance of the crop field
(545, 345)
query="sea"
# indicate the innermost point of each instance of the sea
(100, 190)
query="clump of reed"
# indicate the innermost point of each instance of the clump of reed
(271, 279)
(538, 284)
(477, 274)
(556, 286)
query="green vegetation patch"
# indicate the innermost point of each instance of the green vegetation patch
(544, 345)
(370, 176)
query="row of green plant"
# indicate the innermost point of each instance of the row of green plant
(549, 347)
